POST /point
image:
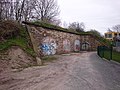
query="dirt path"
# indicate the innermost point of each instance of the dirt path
(84, 71)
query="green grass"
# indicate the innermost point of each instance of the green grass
(107, 55)
(21, 40)
(10, 42)
(115, 55)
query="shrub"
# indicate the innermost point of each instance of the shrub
(9, 29)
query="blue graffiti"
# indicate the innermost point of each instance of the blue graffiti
(48, 49)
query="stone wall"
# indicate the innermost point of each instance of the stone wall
(48, 42)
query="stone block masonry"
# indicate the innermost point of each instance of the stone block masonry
(49, 41)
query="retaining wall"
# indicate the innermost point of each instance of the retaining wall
(49, 41)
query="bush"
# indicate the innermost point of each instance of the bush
(21, 38)
(9, 29)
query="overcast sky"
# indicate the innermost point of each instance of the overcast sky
(96, 14)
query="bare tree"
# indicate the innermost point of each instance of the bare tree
(1, 9)
(109, 30)
(28, 10)
(116, 28)
(46, 10)
(6, 9)
(65, 25)
(20, 10)
(79, 27)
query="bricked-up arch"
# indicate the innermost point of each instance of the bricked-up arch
(85, 46)
(77, 45)
(66, 46)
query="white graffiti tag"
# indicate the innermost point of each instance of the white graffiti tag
(49, 47)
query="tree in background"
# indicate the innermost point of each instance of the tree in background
(116, 28)
(95, 32)
(65, 25)
(46, 10)
(109, 30)
(26, 10)
(6, 9)
(79, 27)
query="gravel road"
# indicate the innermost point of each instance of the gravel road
(75, 71)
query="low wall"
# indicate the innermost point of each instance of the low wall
(49, 41)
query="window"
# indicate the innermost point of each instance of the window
(109, 35)
(105, 35)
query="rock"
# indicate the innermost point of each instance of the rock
(39, 61)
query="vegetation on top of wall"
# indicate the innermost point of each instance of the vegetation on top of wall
(21, 39)
(102, 40)
(47, 25)
(58, 28)
(54, 27)
(99, 37)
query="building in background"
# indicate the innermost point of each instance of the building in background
(111, 35)
(114, 37)
(117, 42)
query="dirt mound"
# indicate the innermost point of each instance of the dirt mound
(15, 58)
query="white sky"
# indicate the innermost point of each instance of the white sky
(96, 14)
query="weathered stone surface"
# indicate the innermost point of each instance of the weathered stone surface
(39, 61)
(49, 42)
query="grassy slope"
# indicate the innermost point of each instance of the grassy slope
(22, 41)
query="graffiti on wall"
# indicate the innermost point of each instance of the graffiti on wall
(66, 45)
(77, 45)
(85, 46)
(49, 46)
